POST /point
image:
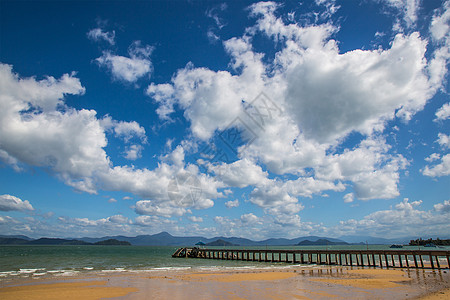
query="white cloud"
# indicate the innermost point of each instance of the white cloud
(443, 207)
(249, 218)
(9, 203)
(166, 209)
(128, 69)
(440, 169)
(443, 140)
(71, 143)
(275, 200)
(433, 157)
(348, 198)
(240, 173)
(232, 203)
(407, 8)
(133, 152)
(443, 113)
(68, 142)
(212, 37)
(323, 95)
(195, 219)
(332, 94)
(213, 14)
(404, 219)
(7, 220)
(113, 225)
(440, 33)
(127, 130)
(97, 34)
(9, 160)
(440, 24)
(154, 222)
(119, 219)
(330, 7)
(112, 200)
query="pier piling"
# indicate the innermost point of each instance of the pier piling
(437, 259)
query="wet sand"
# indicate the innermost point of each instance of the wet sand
(292, 283)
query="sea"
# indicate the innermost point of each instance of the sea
(44, 261)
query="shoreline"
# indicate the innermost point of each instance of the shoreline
(318, 282)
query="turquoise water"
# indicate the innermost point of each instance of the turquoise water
(34, 261)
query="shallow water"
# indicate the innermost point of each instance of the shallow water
(38, 261)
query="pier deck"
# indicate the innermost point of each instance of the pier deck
(434, 259)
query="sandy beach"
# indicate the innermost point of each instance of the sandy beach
(293, 283)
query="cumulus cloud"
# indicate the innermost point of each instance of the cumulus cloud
(323, 95)
(71, 142)
(433, 157)
(440, 26)
(128, 69)
(403, 219)
(97, 34)
(332, 94)
(443, 140)
(195, 219)
(124, 130)
(232, 203)
(119, 219)
(153, 222)
(443, 113)
(440, 169)
(240, 173)
(249, 218)
(127, 131)
(133, 152)
(440, 34)
(443, 207)
(148, 207)
(9, 203)
(348, 198)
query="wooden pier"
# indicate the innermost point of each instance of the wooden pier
(434, 259)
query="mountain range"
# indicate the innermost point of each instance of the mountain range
(5, 240)
(166, 239)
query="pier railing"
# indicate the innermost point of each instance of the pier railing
(434, 259)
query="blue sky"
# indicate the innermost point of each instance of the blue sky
(240, 118)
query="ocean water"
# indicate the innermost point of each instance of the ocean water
(37, 261)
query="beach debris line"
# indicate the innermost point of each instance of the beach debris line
(434, 259)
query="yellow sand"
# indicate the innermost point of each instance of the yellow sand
(233, 277)
(89, 290)
(441, 295)
(369, 278)
(314, 283)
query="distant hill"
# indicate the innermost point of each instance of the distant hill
(52, 241)
(320, 242)
(220, 242)
(57, 242)
(113, 242)
(12, 241)
(23, 237)
(166, 239)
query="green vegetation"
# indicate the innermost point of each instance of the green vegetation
(437, 242)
